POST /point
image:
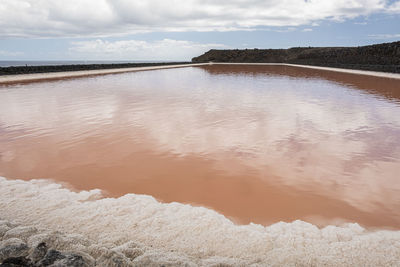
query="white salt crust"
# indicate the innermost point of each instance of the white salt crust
(178, 234)
(351, 71)
(82, 73)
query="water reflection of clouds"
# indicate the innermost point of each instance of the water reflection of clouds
(314, 134)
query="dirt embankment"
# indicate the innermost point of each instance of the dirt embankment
(61, 68)
(380, 57)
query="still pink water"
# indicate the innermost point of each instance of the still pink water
(257, 143)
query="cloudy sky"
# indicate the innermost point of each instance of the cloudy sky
(181, 29)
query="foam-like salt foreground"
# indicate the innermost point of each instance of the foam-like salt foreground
(142, 231)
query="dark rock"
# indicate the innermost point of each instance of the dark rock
(72, 260)
(38, 252)
(51, 257)
(58, 68)
(57, 258)
(380, 57)
(59, 241)
(12, 248)
(17, 262)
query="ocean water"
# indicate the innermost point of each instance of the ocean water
(240, 164)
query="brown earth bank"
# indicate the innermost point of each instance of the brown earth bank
(379, 57)
(59, 68)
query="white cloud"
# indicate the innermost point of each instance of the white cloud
(166, 49)
(395, 7)
(384, 36)
(307, 30)
(289, 29)
(46, 18)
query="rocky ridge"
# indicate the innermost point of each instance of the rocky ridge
(77, 67)
(380, 57)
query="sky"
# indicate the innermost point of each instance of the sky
(177, 30)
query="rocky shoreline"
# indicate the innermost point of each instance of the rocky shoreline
(380, 57)
(78, 67)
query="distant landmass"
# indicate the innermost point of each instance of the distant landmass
(379, 57)
(49, 66)
(24, 63)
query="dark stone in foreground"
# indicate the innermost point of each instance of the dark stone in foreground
(380, 57)
(14, 253)
(39, 252)
(17, 262)
(51, 257)
(13, 248)
(73, 261)
(60, 68)
(57, 258)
